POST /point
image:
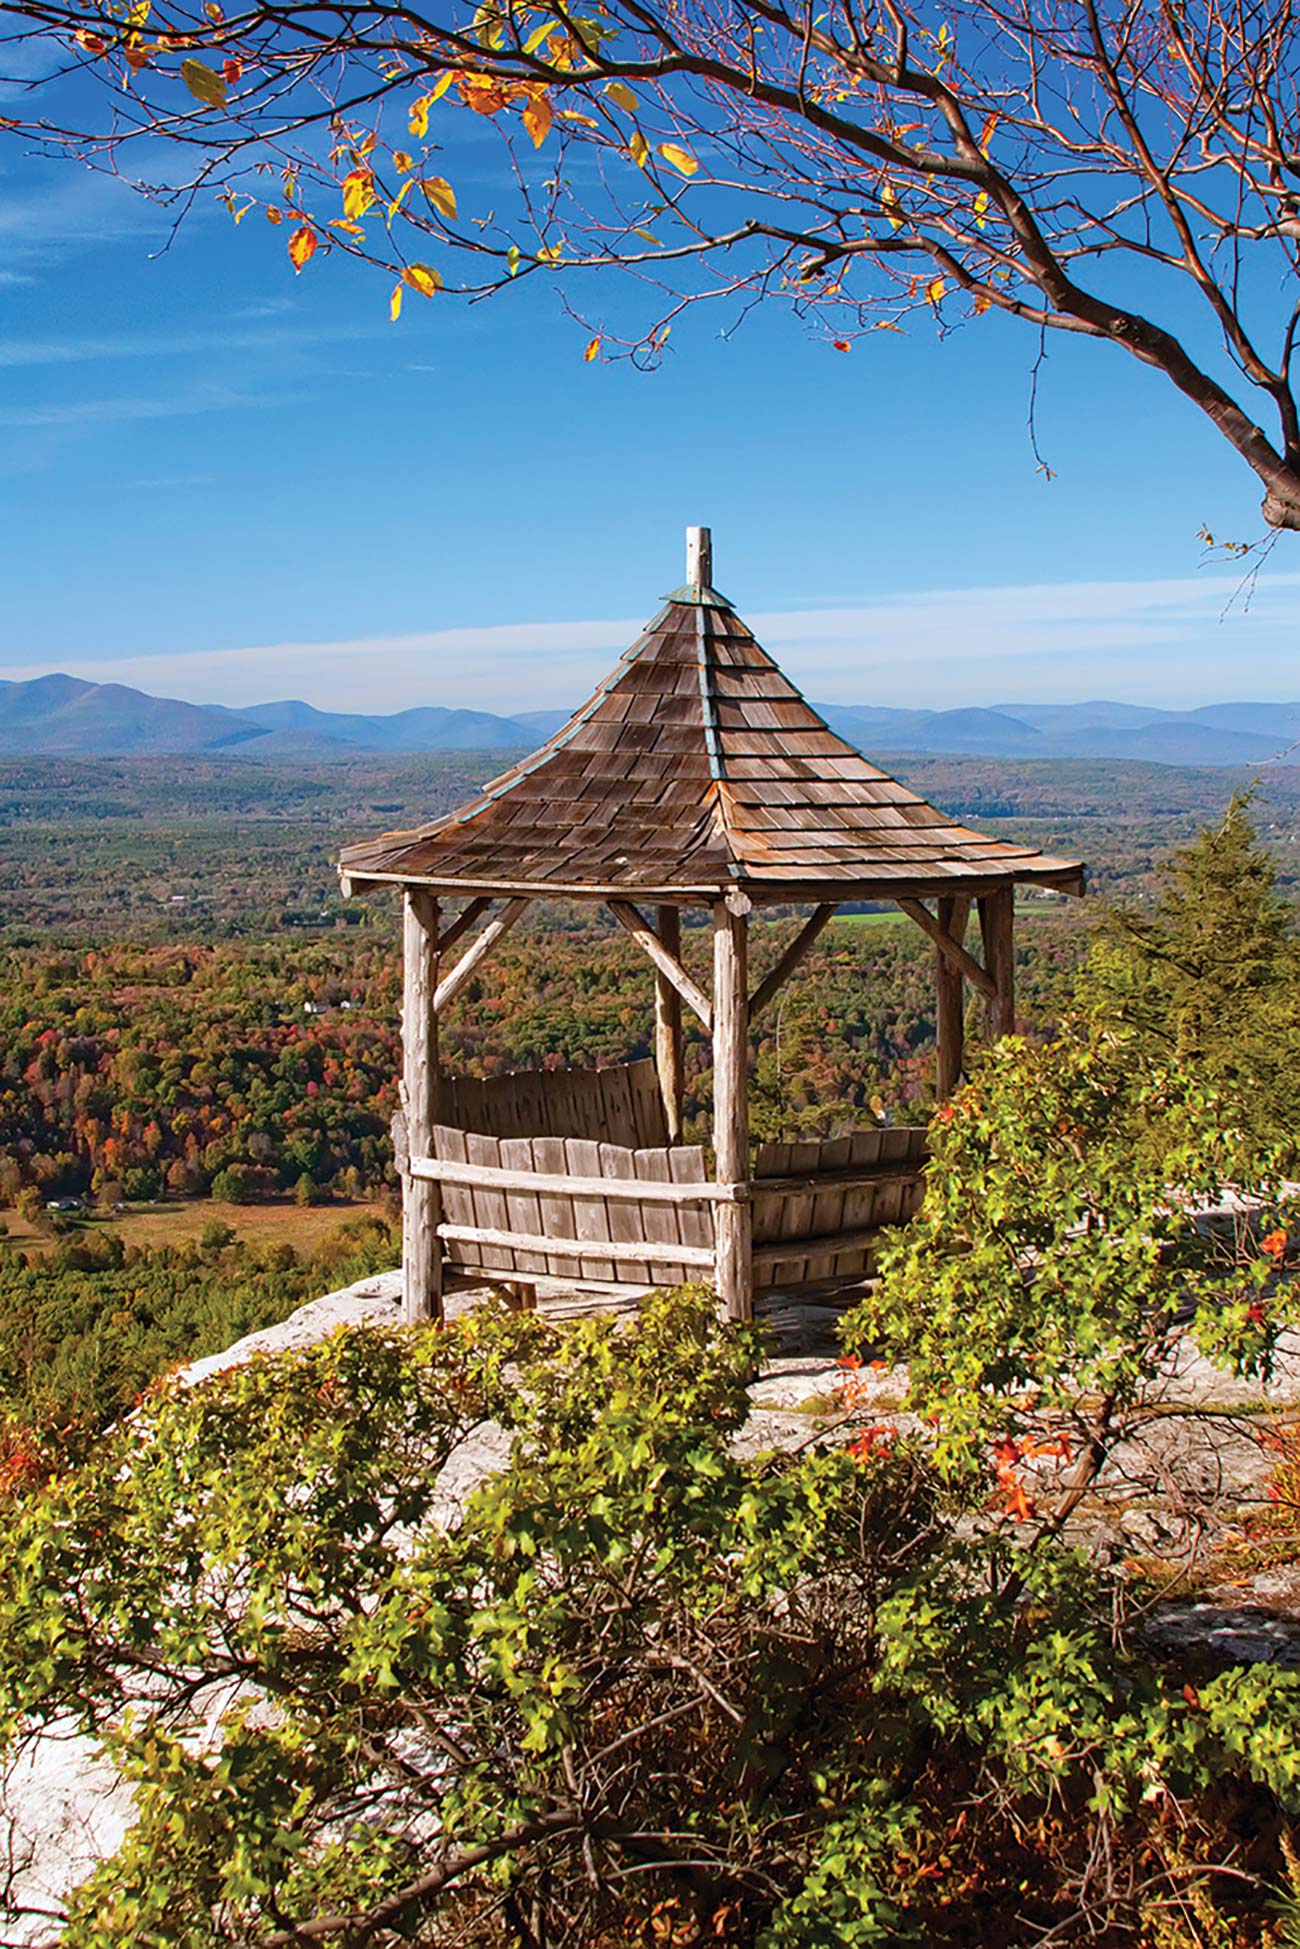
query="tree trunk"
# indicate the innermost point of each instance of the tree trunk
(733, 1231)
(421, 1200)
(668, 1027)
(997, 928)
(950, 1000)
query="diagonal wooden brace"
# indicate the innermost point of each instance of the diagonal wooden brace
(669, 966)
(479, 947)
(456, 929)
(950, 949)
(775, 979)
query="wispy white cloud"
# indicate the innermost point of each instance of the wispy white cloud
(77, 351)
(107, 412)
(1164, 641)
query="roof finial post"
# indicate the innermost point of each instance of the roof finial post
(699, 557)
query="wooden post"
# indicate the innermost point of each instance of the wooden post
(699, 557)
(421, 1199)
(997, 928)
(733, 1229)
(949, 1022)
(668, 1027)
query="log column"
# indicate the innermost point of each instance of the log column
(668, 1027)
(733, 1229)
(421, 1200)
(997, 929)
(950, 1000)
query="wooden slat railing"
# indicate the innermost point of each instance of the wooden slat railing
(566, 1208)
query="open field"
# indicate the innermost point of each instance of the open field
(284, 1223)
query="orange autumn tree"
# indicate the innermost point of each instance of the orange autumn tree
(1125, 170)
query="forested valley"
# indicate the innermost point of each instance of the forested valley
(886, 1685)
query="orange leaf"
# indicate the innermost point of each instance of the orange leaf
(302, 245)
(986, 133)
(592, 351)
(538, 116)
(1275, 1244)
(1019, 1504)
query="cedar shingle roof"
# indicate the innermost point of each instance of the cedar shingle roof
(697, 768)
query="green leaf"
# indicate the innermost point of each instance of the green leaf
(204, 84)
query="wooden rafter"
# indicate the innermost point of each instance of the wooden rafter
(478, 948)
(634, 921)
(775, 979)
(952, 950)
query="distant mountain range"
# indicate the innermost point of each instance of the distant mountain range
(66, 716)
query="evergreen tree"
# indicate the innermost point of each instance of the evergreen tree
(1208, 979)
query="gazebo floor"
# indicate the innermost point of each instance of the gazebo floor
(797, 1323)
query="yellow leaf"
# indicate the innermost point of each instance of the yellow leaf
(358, 193)
(441, 194)
(538, 116)
(422, 278)
(934, 290)
(348, 229)
(418, 119)
(572, 115)
(441, 85)
(679, 158)
(538, 35)
(402, 162)
(205, 86)
(302, 245)
(365, 148)
(646, 236)
(640, 149)
(400, 198)
(592, 351)
(619, 92)
(549, 254)
(395, 304)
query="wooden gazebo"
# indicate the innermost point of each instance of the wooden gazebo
(697, 776)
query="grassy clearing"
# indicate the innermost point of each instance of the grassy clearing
(286, 1223)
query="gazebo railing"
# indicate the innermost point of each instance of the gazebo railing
(524, 1208)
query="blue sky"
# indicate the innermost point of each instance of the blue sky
(224, 482)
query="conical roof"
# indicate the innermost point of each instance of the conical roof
(695, 769)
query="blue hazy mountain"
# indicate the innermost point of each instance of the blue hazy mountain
(67, 715)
